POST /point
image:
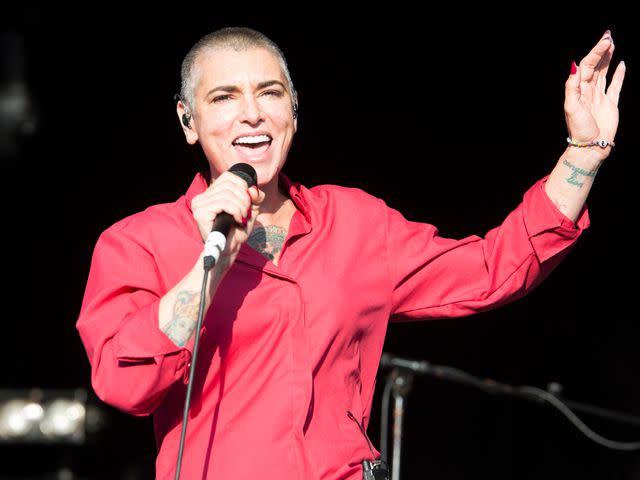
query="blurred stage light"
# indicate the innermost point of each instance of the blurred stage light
(63, 418)
(46, 416)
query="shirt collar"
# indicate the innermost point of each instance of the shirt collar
(198, 185)
(296, 193)
(294, 190)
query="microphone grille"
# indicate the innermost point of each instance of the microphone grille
(246, 172)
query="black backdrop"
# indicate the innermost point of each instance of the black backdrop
(449, 116)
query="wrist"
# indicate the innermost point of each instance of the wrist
(591, 143)
(215, 276)
(588, 158)
(596, 149)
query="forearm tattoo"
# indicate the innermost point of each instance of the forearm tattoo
(268, 240)
(575, 171)
(184, 319)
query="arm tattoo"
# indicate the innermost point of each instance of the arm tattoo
(268, 240)
(575, 171)
(185, 317)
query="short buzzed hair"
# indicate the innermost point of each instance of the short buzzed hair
(234, 38)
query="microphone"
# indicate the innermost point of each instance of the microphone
(391, 361)
(217, 239)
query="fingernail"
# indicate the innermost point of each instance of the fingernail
(574, 68)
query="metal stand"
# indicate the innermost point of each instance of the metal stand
(401, 386)
(399, 383)
(400, 379)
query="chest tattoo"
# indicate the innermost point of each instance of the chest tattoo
(267, 240)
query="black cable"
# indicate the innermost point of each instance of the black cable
(214, 245)
(185, 416)
(527, 392)
(580, 425)
(363, 431)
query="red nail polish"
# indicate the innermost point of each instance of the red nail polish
(574, 68)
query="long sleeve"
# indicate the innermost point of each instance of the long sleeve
(133, 363)
(436, 277)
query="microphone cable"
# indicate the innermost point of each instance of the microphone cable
(208, 265)
(213, 248)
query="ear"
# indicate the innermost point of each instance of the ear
(186, 122)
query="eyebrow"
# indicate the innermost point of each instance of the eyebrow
(233, 88)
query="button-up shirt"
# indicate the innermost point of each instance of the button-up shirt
(286, 351)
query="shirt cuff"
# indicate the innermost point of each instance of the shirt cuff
(550, 231)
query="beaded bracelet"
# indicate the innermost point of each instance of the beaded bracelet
(597, 143)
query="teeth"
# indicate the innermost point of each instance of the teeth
(254, 139)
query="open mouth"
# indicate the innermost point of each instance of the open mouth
(253, 142)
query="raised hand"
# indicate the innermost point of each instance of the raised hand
(591, 109)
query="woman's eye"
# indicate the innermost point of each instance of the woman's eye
(221, 98)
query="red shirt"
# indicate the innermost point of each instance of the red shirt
(287, 350)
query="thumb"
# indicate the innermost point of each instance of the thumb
(572, 90)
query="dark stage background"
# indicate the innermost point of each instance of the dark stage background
(448, 117)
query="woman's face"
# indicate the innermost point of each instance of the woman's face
(242, 112)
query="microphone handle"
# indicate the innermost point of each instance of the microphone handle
(217, 238)
(216, 241)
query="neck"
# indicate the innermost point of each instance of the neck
(273, 202)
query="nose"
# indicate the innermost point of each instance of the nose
(251, 111)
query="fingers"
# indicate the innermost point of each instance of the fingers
(591, 78)
(616, 83)
(232, 200)
(256, 195)
(603, 68)
(228, 193)
(591, 61)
